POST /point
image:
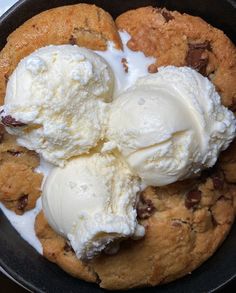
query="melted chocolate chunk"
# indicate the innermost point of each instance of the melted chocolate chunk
(11, 122)
(193, 197)
(197, 56)
(145, 208)
(166, 14)
(22, 202)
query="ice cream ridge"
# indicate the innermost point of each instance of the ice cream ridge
(105, 147)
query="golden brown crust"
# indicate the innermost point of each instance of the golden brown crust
(168, 36)
(81, 24)
(180, 234)
(19, 183)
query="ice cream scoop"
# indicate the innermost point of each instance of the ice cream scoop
(170, 125)
(56, 101)
(91, 202)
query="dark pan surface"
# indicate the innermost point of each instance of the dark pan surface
(30, 269)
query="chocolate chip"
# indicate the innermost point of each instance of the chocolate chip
(166, 14)
(145, 208)
(152, 68)
(68, 247)
(72, 40)
(22, 202)
(14, 153)
(193, 197)
(125, 64)
(11, 122)
(217, 183)
(197, 56)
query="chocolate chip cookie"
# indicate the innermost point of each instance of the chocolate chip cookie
(181, 39)
(20, 185)
(185, 223)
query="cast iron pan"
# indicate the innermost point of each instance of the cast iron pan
(34, 272)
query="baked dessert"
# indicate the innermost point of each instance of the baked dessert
(186, 221)
(181, 39)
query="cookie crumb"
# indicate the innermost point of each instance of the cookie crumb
(125, 64)
(167, 15)
(152, 68)
(72, 40)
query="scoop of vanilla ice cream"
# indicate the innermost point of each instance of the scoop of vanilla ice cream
(91, 201)
(60, 93)
(170, 125)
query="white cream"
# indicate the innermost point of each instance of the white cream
(45, 168)
(137, 64)
(24, 224)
